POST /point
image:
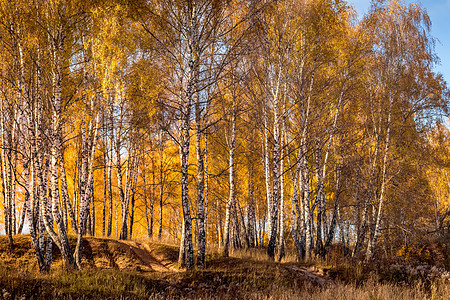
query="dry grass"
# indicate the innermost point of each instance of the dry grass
(370, 290)
(117, 270)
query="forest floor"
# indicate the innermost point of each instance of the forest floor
(116, 269)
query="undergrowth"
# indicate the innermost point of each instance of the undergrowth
(247, 274)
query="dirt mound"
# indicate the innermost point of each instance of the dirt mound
(100, 253)
(105, 253)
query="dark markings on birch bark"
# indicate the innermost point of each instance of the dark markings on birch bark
(200, 187)
(161, 185)
(88, 193)
(231, 199)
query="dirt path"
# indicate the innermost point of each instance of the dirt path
(314, 275)
(149, 257)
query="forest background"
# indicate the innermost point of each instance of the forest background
(222, 124)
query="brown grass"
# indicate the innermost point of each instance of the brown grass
(147, 270)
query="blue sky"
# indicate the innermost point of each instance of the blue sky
(439, 12)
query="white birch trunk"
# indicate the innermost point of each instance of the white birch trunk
(266, 166)
(88, 193)
(281, 241)
(304, 175)
(273, 208)
(200, 188)
(188, 249)
(161, 185)
(232, 188)
(372, 242)
(206, 186)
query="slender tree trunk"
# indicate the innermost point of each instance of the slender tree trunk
(182, 254)
(5, 156)
(88, 193)
(152, 204)
(236, 227)
(134, 177)
(273, 215)
(305, 199)
(358, 210)
(92, 211)
(319, 200)
(161, 186)
(251, 215)
(297, 214)
(206, 196)
(65, 195)
(334, 218)
(200, 188)
(304, 174)
(274, 205)
(231, 199)
(321, 173)
(188, 249)
(263, 231)
(220, 239)
(31, 205)
(105, 179)
(123, 232)
(362, 229)
(133, 193)
(110, 165)
(281, 241)
(243, 227)
(146, 205)
(373, 241)
(266, 165)
(23, 214)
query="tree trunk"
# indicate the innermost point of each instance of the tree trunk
(88, 193)
(60, 239)
(123, 231)
(152, 204)
(92, 210)
(105, 179)
(251, 215)
(6, 175)
(297, 214)
(266, 165)
(281, 241)
(134, 177)
(206, 197)
(184, 159)
(30, 205)
(331, 232)
(373, 241)
(304, 173)
(200, 188)
(161, 186)
(133, 193)
(147, 220)
(231, 198)
(305, 201)
(320, 200)
(274, 205)
(110, 165)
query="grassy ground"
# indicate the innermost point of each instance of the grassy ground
(146, 270)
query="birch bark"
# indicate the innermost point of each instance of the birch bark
(184, 158)
(232, 189)
(88, 193)
(281, 241)
(161, 185)
(200, 186)
(372, 242)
